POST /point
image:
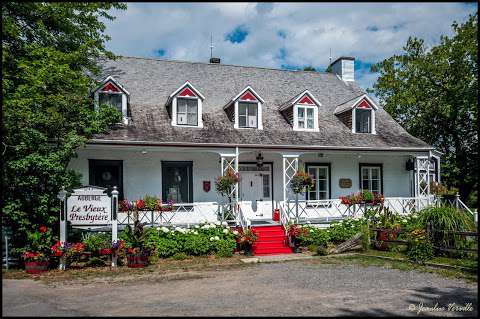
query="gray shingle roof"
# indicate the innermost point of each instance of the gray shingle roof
(151, 81)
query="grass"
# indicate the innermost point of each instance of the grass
(369, 258)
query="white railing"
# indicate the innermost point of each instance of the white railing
(332, 209)
(284, 216)
(240, 218)
(184, 213)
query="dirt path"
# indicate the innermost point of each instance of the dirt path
(296, 288)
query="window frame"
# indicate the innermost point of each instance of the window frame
(296, 118)
(237, 99)
(247, 116)
(373, 108)
(329, 178)
(183, 164)
(370, 165)
(123, 93)
(186, 110)
(172, 101)
(369, 120)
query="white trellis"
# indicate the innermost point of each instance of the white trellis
(230, 162)
(290, 167)
(422, 177)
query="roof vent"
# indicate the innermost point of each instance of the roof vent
(344, 68)
(215, 60)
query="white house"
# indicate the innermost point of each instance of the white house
(185, 123)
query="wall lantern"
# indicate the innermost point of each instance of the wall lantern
(410, 165)
(259, 160)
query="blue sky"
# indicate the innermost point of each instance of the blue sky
(281, 35)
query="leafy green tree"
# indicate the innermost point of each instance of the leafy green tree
(49, 53)
(309, 68)
(433, 93)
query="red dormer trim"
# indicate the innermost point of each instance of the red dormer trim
(363, 104)
(187, 93)
(248, 96)
(110, 87)
(306, 100)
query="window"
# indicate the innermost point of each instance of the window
(371, 178)
(305, 117)
(266, 185)
(187, 111)
(247, 115)
(321, 179)
(112, 99)
(363, 120)
(177, 184)
(106, 173)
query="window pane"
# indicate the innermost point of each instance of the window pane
(362, 121)
(252, 121)
(375, 173)
(322, 195)
(365, 173)
(310, 113)
(192, 119)
(114, 100)
(252, 109)
(309, 123)
(312, 195)
(322, 185)
(301, 112)
(301, 124)
(242, 121)
(266, 185)
(375, 185)
(322, 172)
(242, 109)
(181, 106)
(365, 184)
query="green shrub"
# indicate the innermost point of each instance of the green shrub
(95, 262)
(419, 248)
(166, 247)
(446, 219)
(344, 230)
(314, 236)
(196, 245)
(225, 247)
(96, 241)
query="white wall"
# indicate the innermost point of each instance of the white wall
(142, 173)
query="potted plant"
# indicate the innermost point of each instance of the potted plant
(246, 238)
(224, 186)
(35, 255)
(137, 253)
(388, 227)
(295, 232)
(300, 183)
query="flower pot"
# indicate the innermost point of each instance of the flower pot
(296, 245)
(383, 235)
(36, 267)
(139, 260)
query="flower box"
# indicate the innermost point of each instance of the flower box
(36, 267)
(138, 260)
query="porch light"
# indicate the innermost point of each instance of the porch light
(259, 160)
(410, 165)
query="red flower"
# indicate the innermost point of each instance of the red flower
(140, 204)
(43, 229)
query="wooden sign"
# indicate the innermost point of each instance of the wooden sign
(206, 186)
(345, 183)
(89, 205)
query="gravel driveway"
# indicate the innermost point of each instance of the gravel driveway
(296, 288)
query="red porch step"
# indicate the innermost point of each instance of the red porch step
(271, 240)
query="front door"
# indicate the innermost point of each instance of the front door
(255, 187)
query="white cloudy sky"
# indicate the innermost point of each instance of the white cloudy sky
(280, 35)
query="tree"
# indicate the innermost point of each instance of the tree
(309, 68)
(434, 95)
(49, 52)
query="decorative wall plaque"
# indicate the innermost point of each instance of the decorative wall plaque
(345, 182)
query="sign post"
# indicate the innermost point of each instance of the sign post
(62, 196)
(88, 206)
(114, 222)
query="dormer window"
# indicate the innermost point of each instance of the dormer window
(358, 114)
(245, 109)
(302, 112)
(111, 93)
(185, 106)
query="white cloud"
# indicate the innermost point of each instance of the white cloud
(312, 29)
